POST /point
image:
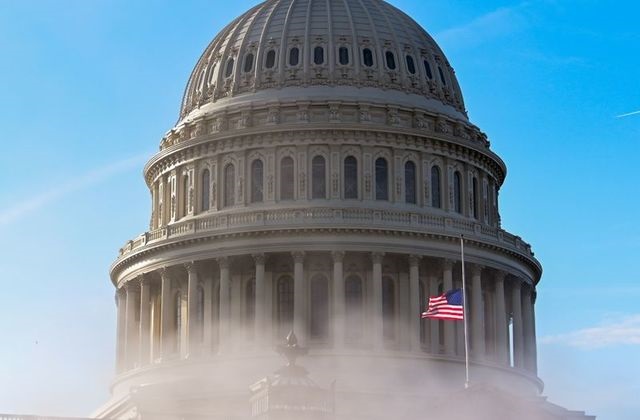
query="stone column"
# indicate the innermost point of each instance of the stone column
(477, 313)
(528, 329)
(132, 327)
(145, 320)
(165, 324)
(502, 346)
(299, 297)
(224, 303)
(378, 339)
(449, 327)
(434, 324)
(339, 312)
(518, 334)
(193, 327)
(259, 307)
(414, 302)
(121, 302)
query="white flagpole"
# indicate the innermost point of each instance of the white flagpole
(464, 311)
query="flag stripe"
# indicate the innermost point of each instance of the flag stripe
(447, 306)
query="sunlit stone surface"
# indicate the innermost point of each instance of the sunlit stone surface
(318, 180)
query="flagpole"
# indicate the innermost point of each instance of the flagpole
(464, 317)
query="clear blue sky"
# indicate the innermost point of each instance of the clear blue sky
(87, 89)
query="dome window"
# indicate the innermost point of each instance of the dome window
(343, 56)
(391, 60)
(271, 59)
(350, 177)
(435, 187)
(427, 69)
(205, 198)
(294, 56)
(444, 81)
(229, 70)
(457, 192)
(382, 179)
(257, 180)
(286, 179)
(411, 65)
(367, 57)
(410, 182)
(318, 177)
(248, 63)
(318, 55)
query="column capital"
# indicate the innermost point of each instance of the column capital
(298, 256)
(517, 283)
(144, 279)
(476, 269)
(447, 263)
(259, 258)
(338, 256)
(500, 276)
(377, 257)
(191, 267)
(131, 286)
(414, 260)
(164, 273)
(224, 262)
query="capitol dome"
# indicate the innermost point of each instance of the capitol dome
(319, 179)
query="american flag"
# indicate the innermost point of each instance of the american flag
(446, 306)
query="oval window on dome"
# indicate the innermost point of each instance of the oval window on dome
(411, 66)
(318, 55)
(343, 56)
(427, 69)
(248, 63)
(391, 60)
(270, 61)
(229, 69)
(294, 56)
(367, 57)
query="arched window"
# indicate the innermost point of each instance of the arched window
(318, 55)
(229, 69)
(382, 179)
(436, 200)
(286, 178)
(294, 56)
(350, 177)
(248, 63)
(427, 69)
(367, 57)
(444, 81)
(229, 185)
(205, 198)
(388, 309)
(199, 313)
(411, 65)
(457, 192)
(391, 60)
(353, 308)
(319, 326)
(474, 186)
(410, 182)
(343, 56)
(318, 177)
(284, 305)
(257, 180)
(250, 306)
(177, 322)
(270, 61)
(185, 195)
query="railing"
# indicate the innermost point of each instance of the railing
(322, 216)
(30, 417)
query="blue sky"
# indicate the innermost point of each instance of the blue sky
(87, 89)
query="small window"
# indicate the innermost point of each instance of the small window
(343, 56)
(229, 185)
(294, 56)
(248, 63)
(457, 192)
(271, 59)
(391, 60)
(286, 178)
(382, 179)
(318, 178)
(229, 70)
(206, 181)
(411, 65)
(256, 181)
(435, 187)
(367, 57)
(318, 55)
(410, 182)
(427, 69)
(350, 177)
(444, 82)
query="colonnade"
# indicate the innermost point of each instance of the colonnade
(236, 303)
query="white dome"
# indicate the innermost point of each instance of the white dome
(342, 46)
